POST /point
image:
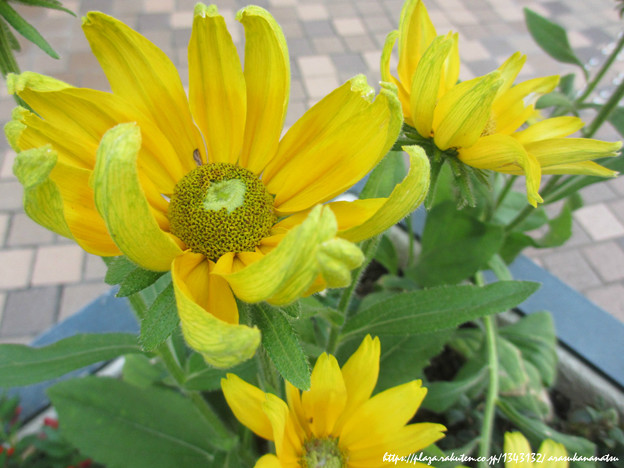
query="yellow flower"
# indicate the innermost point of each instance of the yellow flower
(481, 121)
(518, 453)
(203, 186)
(336, 420)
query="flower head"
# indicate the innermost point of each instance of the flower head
(483, 121)
(551, 454)
(337, 420)
(203, 186)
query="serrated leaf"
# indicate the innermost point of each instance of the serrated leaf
(25, 29)
(138, 280)
(442, 395)
(551, 37)
(386, 175)
(121, 425)
(535, 336)
(160, 321)
(282, 345)
(454, 246)
(24, 365)
(434, 309)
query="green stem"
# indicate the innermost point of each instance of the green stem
(505, 191)
(410, 237)
(528, 209)
(368, 248)
(605, 111)
(492, 391)
(601, 73)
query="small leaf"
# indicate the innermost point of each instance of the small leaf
(161, 320)
(617, 119)
(292, 310)
(514, 203)
(137, 280)
(23, 365)
(386, 175)
(118, 269)
(139, 370)
(121, 425)
(429, 310)
(442, 395)
(25, 29)
(551, 37)
(512, 377)
(454, 246)
(560, 229)
(387, 255)
(555, 99)
(52, 4)
(282, 345)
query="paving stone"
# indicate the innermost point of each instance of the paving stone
(15, 268)
(6, 172)
(610, 298)
(10, 195)
(96, 5)
(360, 43)
(316, 65)
(607, 259)
(29, 311)
(2, 302)
(599, 222)
(328, 45)
(349, 27)
(57, 264)
(94, 267)
(572, 268)
(24, 231)
(617, 208)
(318, 28)
(597, 193)
(159, 6)
(4, 227)
(75, 297)
(350, 63)
(181, 19)
(316, 11)
(318, 87)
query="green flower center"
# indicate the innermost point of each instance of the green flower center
(322, 453)
(219, 208)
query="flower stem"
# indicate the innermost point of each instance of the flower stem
(601, 73)
(605, 111)
(492, 390)
(508, 184)
(410, 237)
(369, 247)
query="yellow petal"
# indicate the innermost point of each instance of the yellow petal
(42, 198)
(515, 443)
(580, 168)
(509, 71)
(450, 71)
(360, 374)
(121, 201)
(555, 127)
(268, 461)
(327, 397)
(426, 84)
(462, 113)
(555, 151)
(216, 85)
(503, 153)
(142, 75)
(293, 398)
(404, 199)
(386, 76)
(416, 33)
(287, 443)
(287, 271)
(345, 135)
(267, 74)
(336, 258)
(246, 401)
(385, 413)
(550, 448)
(221, 344)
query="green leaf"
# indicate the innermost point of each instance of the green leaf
(551, 37)
(292, 310)
(23, 365)
(141, 371)
(559, 229)
(120, 425)
(52, 4)
(535, 336)
(204, 378)
(387, 255)
(442, 395)
(512, 377)
(282, 345)
(161, 320)
(512, 205)
(118, 269)
(515, 243)
(537, 431)
(434, 309)
(382, 180)
(25, 29)
(454, 246)
(555, 99)
(137, 280)
(617, 119)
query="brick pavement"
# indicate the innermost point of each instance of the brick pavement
(45, 278)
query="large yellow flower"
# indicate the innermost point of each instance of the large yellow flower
(336, 423)
(481, 121)
(203, 186)
(518, 453)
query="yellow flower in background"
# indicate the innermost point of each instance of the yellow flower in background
(519, 453)
(482, 121)
(203, 186)
(336, 423)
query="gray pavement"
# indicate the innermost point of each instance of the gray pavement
(45, 278)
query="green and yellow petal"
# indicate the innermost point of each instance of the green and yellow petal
(222, 344)
(217, 95)
(556, 151)
(416, 34)
(122, 202)
(268, 461)
(516, 443)
(246, 402)
(267, 74)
